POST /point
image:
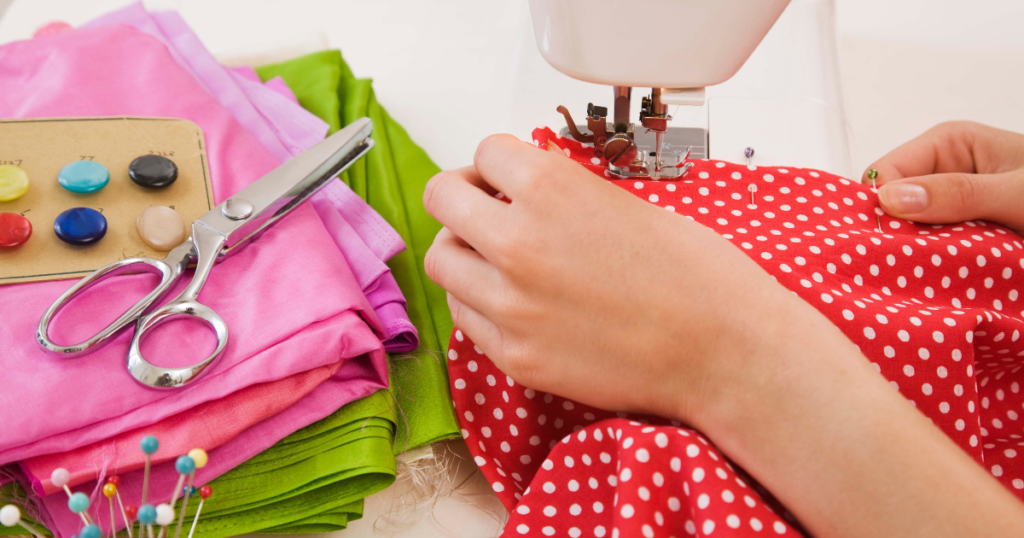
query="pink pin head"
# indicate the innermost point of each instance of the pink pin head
(60, 477)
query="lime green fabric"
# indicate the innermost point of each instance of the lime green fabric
(314, 480)
(391, 178)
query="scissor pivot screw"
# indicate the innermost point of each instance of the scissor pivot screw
(237, 209)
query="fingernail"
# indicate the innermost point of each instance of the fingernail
(904, 198)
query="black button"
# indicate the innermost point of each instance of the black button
(153, 171)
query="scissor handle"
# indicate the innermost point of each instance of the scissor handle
(154, 376)
(168, 274)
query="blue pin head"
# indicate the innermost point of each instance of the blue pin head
(78, 502)
(185, 465)
(149, 444)
(188, 491)
(146, 514)
(748, 153)
(90, 531)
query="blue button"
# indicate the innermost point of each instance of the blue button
(84, 176)
(80, 226)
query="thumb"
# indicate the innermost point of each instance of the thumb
(948, 198)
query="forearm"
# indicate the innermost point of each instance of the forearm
(848, 455)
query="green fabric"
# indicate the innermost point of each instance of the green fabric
(391, 178)
(314, 480)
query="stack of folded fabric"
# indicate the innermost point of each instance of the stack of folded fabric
(298, 415)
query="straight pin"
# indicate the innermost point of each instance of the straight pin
(873, 175)
(199, 458)
(749, 154)
(752, 188)
(878, 219)
(204, 493)
(10, 516)
(109, 490)
(149, 445)
(60, 478)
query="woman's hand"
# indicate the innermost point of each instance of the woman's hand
(954, 172)
(579, 288)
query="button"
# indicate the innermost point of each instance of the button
(13, 182)
(80, 226)
(84, 176)
(14, 230)
(161, 228)
(153, 171)
(236, 209)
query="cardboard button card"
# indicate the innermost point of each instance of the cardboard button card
(42, 147)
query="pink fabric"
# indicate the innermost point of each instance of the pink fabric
(277, 83)
(285, 129)
(290, 299)
(324, 400)
(208, 425)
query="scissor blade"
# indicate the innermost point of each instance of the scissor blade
(258, 206)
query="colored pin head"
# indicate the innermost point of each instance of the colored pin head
(114, 479)
(10, 515)
(164, 514)
(109, 489)
(188, 491)
(90, 531)
(60, 477)
(205, 492)
(748, 153)
(199, 456)
(149, 444)
(78, 502)
(872, 174)
(146, 514)
(185, 465)
(131, 512)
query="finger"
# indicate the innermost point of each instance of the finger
(945, 148)
(511, 165)
(476, 326)
(458, 200)
(461, 271)
(946, 198)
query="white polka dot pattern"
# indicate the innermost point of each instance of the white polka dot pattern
(934, 308)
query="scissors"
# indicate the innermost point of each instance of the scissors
(216, 235)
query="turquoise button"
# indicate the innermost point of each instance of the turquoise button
(84, 176)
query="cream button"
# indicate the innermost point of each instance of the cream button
(161, 228)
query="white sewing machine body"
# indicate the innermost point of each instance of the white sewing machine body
(785, 101)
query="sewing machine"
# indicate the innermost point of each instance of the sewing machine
(675, 63)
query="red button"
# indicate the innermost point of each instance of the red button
(14, 230)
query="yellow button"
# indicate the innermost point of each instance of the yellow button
(13, 182)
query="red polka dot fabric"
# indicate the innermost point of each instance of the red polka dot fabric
(935, 309)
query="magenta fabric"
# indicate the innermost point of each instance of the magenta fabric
(272, 115)
(290, 298)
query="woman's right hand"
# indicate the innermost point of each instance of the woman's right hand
(955, 171)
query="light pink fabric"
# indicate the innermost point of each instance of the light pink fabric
(272, 114)
(208, 425)
(290, 299)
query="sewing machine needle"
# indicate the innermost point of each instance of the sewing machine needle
(657, 151)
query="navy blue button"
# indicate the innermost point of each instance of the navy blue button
(80, 226)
